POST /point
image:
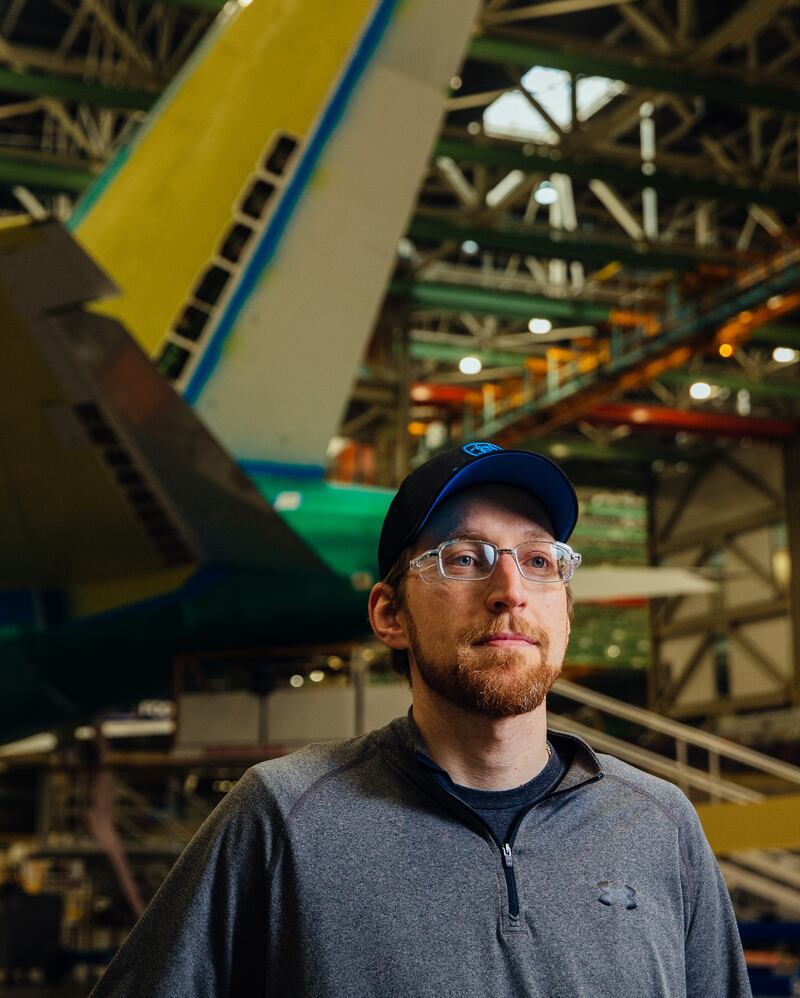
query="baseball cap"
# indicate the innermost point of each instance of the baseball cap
(477, 463)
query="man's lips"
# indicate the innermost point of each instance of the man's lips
(505, 639)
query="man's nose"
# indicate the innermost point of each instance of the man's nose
(506, 586)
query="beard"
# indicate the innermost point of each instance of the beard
(490, 682)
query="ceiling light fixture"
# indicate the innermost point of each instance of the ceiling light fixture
(540, 326)
(700, 391)
(545, 193)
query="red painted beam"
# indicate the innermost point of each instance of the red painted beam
(714, 424)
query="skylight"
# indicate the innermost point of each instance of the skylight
(512, 116)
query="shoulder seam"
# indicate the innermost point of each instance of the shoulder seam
(681, 844)
(367, 754)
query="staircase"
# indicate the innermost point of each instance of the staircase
(714, 773)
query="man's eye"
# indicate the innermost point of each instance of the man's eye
(539, 561)
(464, 558)
(460, 560)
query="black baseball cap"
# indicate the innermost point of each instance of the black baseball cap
(473, 464)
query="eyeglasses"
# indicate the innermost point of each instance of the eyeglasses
(465, 560)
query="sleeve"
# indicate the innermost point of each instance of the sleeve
(715, 966)
(204, 933)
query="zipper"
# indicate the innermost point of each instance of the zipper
(506, 848)
(505, 852)
(511, 880)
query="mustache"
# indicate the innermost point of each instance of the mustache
(485, 632)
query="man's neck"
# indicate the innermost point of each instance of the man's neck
(481, 752)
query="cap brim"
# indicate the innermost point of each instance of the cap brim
(534, 473)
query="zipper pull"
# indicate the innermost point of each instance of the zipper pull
(508, 859)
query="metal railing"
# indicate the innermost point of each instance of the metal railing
(678, 770)
(772, 875)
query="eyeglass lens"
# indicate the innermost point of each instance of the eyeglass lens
(539, 561)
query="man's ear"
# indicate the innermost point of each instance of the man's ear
(386, 617)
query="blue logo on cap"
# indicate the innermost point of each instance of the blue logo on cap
(476, 449)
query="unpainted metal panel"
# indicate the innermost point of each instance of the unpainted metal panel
(383, 702)
(223, 718)
(675, 653)
(722, 495)
(773, 638)
(743, 586)
(296, 716)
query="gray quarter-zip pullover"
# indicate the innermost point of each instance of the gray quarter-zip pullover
(347, 870)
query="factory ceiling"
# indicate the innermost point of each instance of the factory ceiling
(607, 226)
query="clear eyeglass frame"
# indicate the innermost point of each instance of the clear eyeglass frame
(564, 556)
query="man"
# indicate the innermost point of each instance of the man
(464, 850)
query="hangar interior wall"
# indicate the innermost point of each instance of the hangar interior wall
(734, 649)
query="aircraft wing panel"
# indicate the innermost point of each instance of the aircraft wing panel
(611, 582)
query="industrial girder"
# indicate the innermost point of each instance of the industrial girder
(517, 156)
(567, 245)
(43, 84)
(483, 301)
(512, 51)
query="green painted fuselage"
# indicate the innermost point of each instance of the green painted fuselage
(58, 670)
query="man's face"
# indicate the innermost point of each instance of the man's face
(493, 647)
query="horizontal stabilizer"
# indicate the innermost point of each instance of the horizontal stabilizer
(112, 489)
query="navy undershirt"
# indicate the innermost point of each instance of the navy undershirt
(499, 808)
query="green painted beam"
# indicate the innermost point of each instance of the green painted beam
(504, 51)
(66, 88)
(482, 301)
(776, 336)
(562, 245)
(451, 354)
(774, 388)
(42, 175)
(564, 448)
(202, 6)
(585, 169)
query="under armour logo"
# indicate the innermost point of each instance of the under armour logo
(609, 893)
(476, 449)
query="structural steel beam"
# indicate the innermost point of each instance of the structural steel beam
(582, 168)
(62, 88)
(203, 6)
(482, 301)
(783, 336)
(42, 175)
(726, 379)
(791, 483)
(656, 417)
(724, 617)
(563, 245)
(450, 354)
(511, 51)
